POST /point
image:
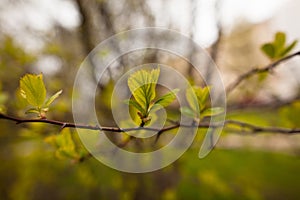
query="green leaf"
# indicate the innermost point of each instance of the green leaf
(288, 49)
(168, 98)
(278, 48)
(203, 97)
(20, 101)
(212, 111)
(279, 41)
(192, 98)
(52, 98)
(32, 89)
(269, 50)
(201, 94)
(187, 112)
(136, 105)
(32, 110)
(142, 85)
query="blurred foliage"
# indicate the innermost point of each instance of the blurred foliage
(278, 48)
(225, 174)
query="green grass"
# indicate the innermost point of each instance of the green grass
(240, 174)
(223, 174)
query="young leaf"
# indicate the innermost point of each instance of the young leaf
(32, 110)
(278, 48)
(32, 89)
(212, 111)
(288, 48)
(192, 98)
(279, 41)
(168, 98)
(203, 97)
(187, 112)
(269, 50)
(197, 104)
(52, 98)
(136, 105)
(142, 86)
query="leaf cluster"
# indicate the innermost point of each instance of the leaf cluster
(142, 85)
(33, 91)
(278, 48)
(198, 100)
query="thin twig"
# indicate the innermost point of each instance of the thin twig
(251, 127)
(255, 71)
(275, 104)
(259, 129)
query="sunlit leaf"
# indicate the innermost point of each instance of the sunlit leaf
(32, 110)
(197, 97)
(168, 98)
(204, 94)
(52, 98)
(278, 48)
(279, 41)
(20, 101)
(212, 111)
(269, 50)
(136, 105)
(142, 86)
(288, 48)
(192, 98)
(187, 112)
(32, 89)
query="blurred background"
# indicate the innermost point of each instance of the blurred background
(54, 36)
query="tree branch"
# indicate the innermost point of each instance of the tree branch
(250, 127)
(255, 71)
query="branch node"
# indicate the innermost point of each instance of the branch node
(63, 126)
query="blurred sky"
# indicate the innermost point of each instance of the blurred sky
(41, 15)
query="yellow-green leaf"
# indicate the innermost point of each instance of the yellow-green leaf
(32, 89)
(212, 111)
(32, 110)
(288, 49)
(52, 98)
(188, 112)
(203, 97)
(192, 99)
(279, 41)
(142, 85)
(197, 97)
(269, 50)
(168, 98)
(136, 105)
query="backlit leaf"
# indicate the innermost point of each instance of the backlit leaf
(32, 89)
(142, 86)
(192, 98)
(279, 41)
(136, 105)
(212, 111)
(52, 98)
(187, 112)
(168, 98)
(288, 48)
(32, 110)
